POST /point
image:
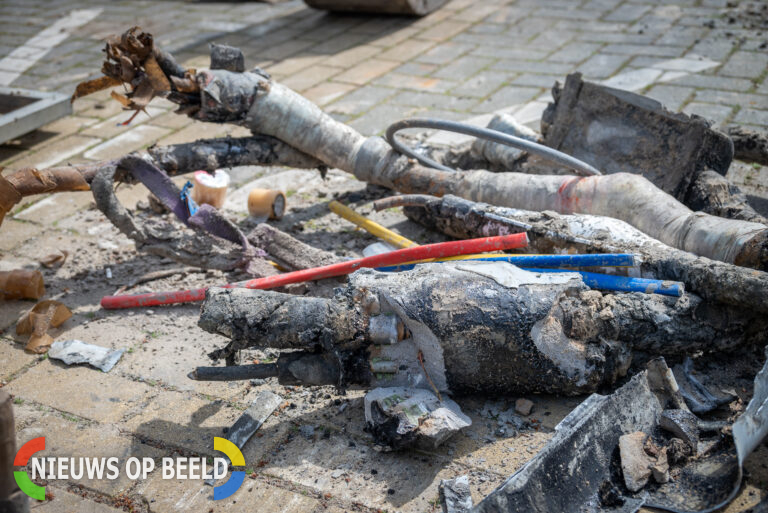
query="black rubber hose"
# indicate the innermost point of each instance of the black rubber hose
(234, 372)
(483, 133)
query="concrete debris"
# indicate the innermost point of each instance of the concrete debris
(683, 424)
(456, 495)
(401, 417)
(635, 463)
(523, 406)
(624, 424)
(227, 57)
(77, 351)
(551, 482)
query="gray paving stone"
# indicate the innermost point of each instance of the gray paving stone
(444, 53)
(717, 113)
(515, 66)
(661, 51)
(531, 79)
(752, 116)
(713, 82)
(433, 101)
(745, 64)
(602, 65)
(627, 12)
(574, 52)
(506, 97)
(757, 101)
(376, 120)
(482, 84)
(672, 97)
(463, 67)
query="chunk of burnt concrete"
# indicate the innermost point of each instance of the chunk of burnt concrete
(682, 424)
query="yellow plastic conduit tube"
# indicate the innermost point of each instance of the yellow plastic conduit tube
(385, 234)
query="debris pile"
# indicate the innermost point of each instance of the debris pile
(631, 246)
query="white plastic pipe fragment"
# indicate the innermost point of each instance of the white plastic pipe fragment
(752, 426)
(77, 351)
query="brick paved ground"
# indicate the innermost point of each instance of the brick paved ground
(465, 61)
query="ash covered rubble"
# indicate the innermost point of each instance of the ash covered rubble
(415, 338)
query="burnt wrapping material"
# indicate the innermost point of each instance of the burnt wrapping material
(618, 131)
(470, 327)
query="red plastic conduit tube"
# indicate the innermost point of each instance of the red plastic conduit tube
(440, 250)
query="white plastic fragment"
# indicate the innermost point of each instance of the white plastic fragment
(752, 426)
(77, 351)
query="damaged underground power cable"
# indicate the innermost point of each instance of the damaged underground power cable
(481, 327)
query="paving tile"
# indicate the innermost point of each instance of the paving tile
(64, 501)
(181, 496)
(758, 101)
(81, 390)
(56, 152)
(437, 85)
(376, 120)
(14, 233)
(745, 64)
(530, 79)
(602, 65)
(463, 67)
(717, 113)
(326, 92)
(407, 50)
(114, 126)
(349, 58)
(752, 117)
(481, 84)
(134, 139)
(366, 71)
(627, 12)
(309, 77)
(444, 53)
(295, 64)
(183, 420)
(714, 82)
(434, 101)
(574, 52)
(661, 51)
(361, 99)
(13, 358)
(506, 97)
(444, 30)
(416, 68)
(69, 437)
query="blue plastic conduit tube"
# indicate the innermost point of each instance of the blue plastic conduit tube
(623, 283)
(550, 261)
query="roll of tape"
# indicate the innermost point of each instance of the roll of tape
(266, 203)
(210, 189)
